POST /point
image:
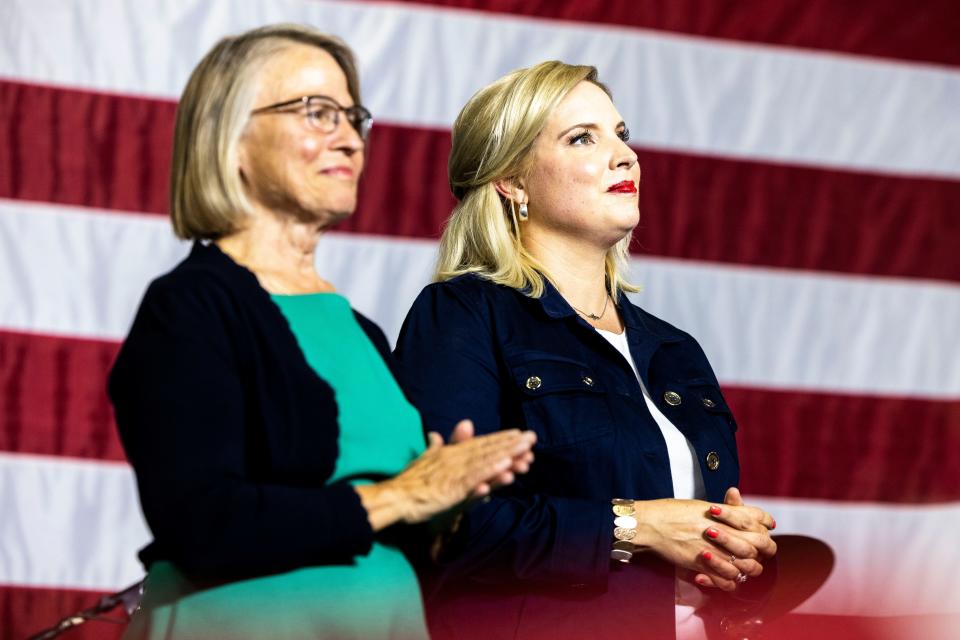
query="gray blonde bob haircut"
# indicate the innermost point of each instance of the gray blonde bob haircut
(207, 199)
(492, 140)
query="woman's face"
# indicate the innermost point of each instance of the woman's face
(287, 166)
(583, 180)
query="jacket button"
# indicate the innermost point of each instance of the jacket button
(587, 380)
(672, 398)
(713, 461)
(533, 383)
(708, 403)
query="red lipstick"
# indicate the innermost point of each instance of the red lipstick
(625, 186)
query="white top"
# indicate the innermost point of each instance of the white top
(687, 480)
(687, 483)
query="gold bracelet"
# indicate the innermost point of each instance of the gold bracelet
(625, 530)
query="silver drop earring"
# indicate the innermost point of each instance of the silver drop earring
(523, 214)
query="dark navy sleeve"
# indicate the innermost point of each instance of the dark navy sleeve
(449, 369)
(185, 421)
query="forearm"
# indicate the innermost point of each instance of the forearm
(222, 528)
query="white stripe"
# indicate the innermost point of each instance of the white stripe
(676, 92)
(890, 560)
(77, 524)
(82, 272)
(69, 523)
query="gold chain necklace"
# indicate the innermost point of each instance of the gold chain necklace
(594, 316)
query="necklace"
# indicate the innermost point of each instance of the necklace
(594, 316)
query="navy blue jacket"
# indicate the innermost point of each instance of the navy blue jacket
(230, 432)
(534, 560)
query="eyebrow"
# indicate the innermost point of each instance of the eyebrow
(588, 125)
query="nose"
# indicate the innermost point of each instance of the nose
(345, 138)
(623, 157)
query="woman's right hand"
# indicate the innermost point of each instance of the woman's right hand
(446, 475)
(680, 531)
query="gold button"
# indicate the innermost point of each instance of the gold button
(587, 380)
(708, 403)
(533, 383)
(713, 461)
(672, 398)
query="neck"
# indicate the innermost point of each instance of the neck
(577, 269)
(280, 250)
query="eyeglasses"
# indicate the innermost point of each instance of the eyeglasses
(323, 113)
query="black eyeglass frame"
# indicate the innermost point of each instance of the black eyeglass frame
(358, 115)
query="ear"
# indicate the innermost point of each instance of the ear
(511, 189)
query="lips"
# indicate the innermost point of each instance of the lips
(625, 186)
(339, 172)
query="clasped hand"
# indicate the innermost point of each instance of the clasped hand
(719, 543)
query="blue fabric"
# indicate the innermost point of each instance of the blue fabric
(538, 552)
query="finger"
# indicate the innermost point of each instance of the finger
(708, 581)
(434, 440)
(732, 543)
(480, 490)
(761, 516)
(520, 466)
(744, 518)
(733, 497)
(766, 545)
(511, 443)
(704, 580)
(750, 568)
(718, 563)
(462, 432)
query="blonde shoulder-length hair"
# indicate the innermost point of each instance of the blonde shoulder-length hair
(207, 200)
(492, 139)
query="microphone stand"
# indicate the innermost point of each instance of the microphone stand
(129, 598)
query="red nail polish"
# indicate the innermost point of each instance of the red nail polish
(702, 582)
(774, 525)
(707, 555)
(715, 510)
(713, 533)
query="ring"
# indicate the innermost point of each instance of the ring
(741, 578)
(733, 559)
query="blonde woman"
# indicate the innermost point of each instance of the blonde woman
(630, 513)
(270, 481)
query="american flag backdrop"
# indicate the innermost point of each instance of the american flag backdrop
(800, 215)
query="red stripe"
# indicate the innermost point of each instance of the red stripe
(792, 443)
(53, 394)
(882, 28)
(84, 148)
(25, 611)
(107, 151)
(846, 447)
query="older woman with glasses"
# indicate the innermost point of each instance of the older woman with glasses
(279, 463)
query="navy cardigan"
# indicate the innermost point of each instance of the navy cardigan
(535, 559)
(231, 434)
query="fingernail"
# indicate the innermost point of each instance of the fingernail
(702, 581)
(713, 533)
(715, 510)
(707, 555)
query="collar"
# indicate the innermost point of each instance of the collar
(557, 307)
